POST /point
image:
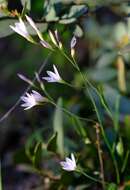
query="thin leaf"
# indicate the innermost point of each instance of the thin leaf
(58, 127)
(52, 144)
(37, 154)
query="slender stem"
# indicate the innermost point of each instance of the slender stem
(107, 143)
(88, 176)
(72, 114)
(64, 54)
(72, 86)
(63, 109)
(106, 139)
(100, 155)
(27, 89)
(86, 81)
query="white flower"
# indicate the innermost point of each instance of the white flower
(21, 29)
(32, 99)
(53, 76)
(69, 164)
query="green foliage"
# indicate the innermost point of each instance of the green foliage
(74, 12)
(112, 186)
(92, 117)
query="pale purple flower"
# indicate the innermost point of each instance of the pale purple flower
(53, 76)
(21, 29)
(32, 99)
(69, 164)
(73, 42)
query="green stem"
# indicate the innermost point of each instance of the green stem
(64, 54)
(86, 81)
(72, 114)
(100, 155)
(89, 83)
(88, 176)
(72, 86)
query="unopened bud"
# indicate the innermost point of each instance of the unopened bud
(73, 52)
(53, 38)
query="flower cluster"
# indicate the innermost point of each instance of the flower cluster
(21, 28)
(34, 98)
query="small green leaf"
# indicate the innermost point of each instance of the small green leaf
(67, 21)
(75, 11)
(112, 186)
(51, 15)
(52, 144)
(78, 31)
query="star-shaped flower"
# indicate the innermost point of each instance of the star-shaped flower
(21, 29)
(69, 164)
(32, 99)
(53, 76)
